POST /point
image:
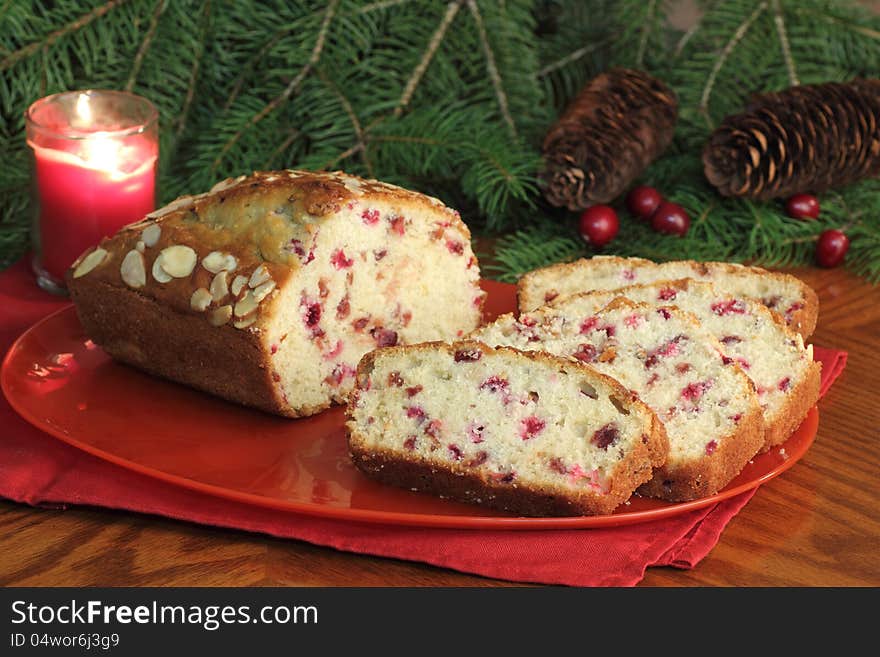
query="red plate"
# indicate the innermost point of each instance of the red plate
(58, 380)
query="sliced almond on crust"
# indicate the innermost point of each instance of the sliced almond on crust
(217, 261)
(244, 322)
(151, 234)
(95, 258)
(226, 184)
(159, 273)
(177, 204)
(133, 271)
(262, 291)
(140, 246)
(178, 260)
(200, 300)
(259, 276)
(220, 316)
(246, 305)
(238, 284)
(219, 286)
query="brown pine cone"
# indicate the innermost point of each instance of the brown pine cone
(807, 138)
(617, 125)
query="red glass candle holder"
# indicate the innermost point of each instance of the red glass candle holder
(94, 171)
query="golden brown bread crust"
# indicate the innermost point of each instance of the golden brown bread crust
(803, 320)
(453, 481)
(453, 484)
(181, 347)
(218, 221)
(712, 472)
(155, 326)
(800, 400)
(525, 304)
(177, 292)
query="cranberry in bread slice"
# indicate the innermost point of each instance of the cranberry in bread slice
(528, 433)
(784, 294)
(663, 356)
(772, 355)
(268, 289)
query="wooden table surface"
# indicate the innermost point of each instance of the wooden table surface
(818, 524)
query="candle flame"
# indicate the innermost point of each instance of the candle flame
(114, 154)
(83, 110)
(102, 153)
(97, 150)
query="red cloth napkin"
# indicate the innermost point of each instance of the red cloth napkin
(37, 469)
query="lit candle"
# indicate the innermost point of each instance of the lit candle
(95, 155)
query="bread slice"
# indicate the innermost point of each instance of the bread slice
(707, 404)
(268, 289)
(528, 433)
(771, 354)
(784, 294)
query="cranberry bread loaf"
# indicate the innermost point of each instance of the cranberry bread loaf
(524, 432)
(782, 293)
(772, 355)
(268, 289)
(707, 404)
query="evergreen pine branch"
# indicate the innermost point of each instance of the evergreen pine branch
(292, 136)
(360, 145)
(575, 41)
(289, 90)
(436, 38)
(411, 92)
(570, 58)
(692, 30)
(22, 53)
(3, 10)
(193, 77)
(247, 70)
(847, 22)
(645, 32)
(531, 248)
(381, 4)
(732, 43)
(492, 68)
(161, 6)
(641, 34)
(779, 20)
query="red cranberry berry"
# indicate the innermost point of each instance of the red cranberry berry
(586, 353)
(667, 294)
(531, 427)
(802, 206)
(340, 260)
(643, 201)
(831, 248)
(467, 355)
(598, 225)
(605, 436)
(671, 219)
(416, 412)
(384, 337)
